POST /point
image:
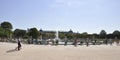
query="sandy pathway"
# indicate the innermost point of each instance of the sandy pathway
(41, 52)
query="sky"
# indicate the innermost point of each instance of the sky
(90, 16)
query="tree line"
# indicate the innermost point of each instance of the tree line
(6, 33)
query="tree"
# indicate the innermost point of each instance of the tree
(84, 35)
(7, 26)
(34, 33)
(95, 35)
(2, 32)
(19, 33)
(70, 36)
(77, 35)
(116, 33)
(103, 34)
(110, 36)
(62, 35)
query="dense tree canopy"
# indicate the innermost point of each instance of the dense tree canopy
(84, 35)
(6, 28)
(103, 34)
(6, 31)
(6, 25)
(19, 33)
(34, 33)
(1, 32)
(116, 33)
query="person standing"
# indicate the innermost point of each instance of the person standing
(87, 42)
(75, 42)
(106, 41)
(110, 41)
(81, 42)
(57, 42)
(53, 42)
(66, 42)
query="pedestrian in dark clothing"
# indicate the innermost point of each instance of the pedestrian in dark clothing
(81, 43)
(94, 42)
(57, 42)
(66, 42)
(19, 44)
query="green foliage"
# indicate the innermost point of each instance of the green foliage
(48, 35)
(103, 34)
(34, 33)
(110, 36)
(116, 33)
(1, 32)
(95, 35)
(62, 35)
(70, 36)
(84, 35)
(4, 33)
(19, 33)
(6, 25)
(6, 28)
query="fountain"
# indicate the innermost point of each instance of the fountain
(57, 35)
(57, 39)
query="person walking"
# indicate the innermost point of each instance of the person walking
(19, 44)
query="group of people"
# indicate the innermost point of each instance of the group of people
(76, 42)
(55, 42)
(94, 42)
(88, 41)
